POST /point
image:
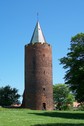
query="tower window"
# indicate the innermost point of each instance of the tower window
(43, 89)
(43, 55)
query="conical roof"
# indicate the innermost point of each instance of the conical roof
(38, 36)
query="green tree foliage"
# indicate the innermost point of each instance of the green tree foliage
(74, 65)
(63, 98)
(8, 96)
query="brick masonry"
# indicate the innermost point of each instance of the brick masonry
(38, 92)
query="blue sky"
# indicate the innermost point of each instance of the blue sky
(59, 20)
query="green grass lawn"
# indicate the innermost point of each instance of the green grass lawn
(25, 117)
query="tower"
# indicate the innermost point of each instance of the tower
(38, 93)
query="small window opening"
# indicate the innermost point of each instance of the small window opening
(43, 55)
(43, 89)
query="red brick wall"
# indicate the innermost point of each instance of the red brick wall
(38, 77)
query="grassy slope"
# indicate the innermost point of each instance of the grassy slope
(24, 117)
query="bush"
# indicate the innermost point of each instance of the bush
(8, 96)
(81, 107)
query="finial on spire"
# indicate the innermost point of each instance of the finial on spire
(37, 16)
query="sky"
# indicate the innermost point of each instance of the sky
(59, 20)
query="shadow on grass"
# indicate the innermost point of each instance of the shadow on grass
(67, 115)
(57, 124)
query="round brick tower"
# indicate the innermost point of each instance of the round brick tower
(38, 94)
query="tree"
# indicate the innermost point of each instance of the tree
(63, 98)
(74, 65)
(8, 96)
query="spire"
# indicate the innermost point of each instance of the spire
(38, 36)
